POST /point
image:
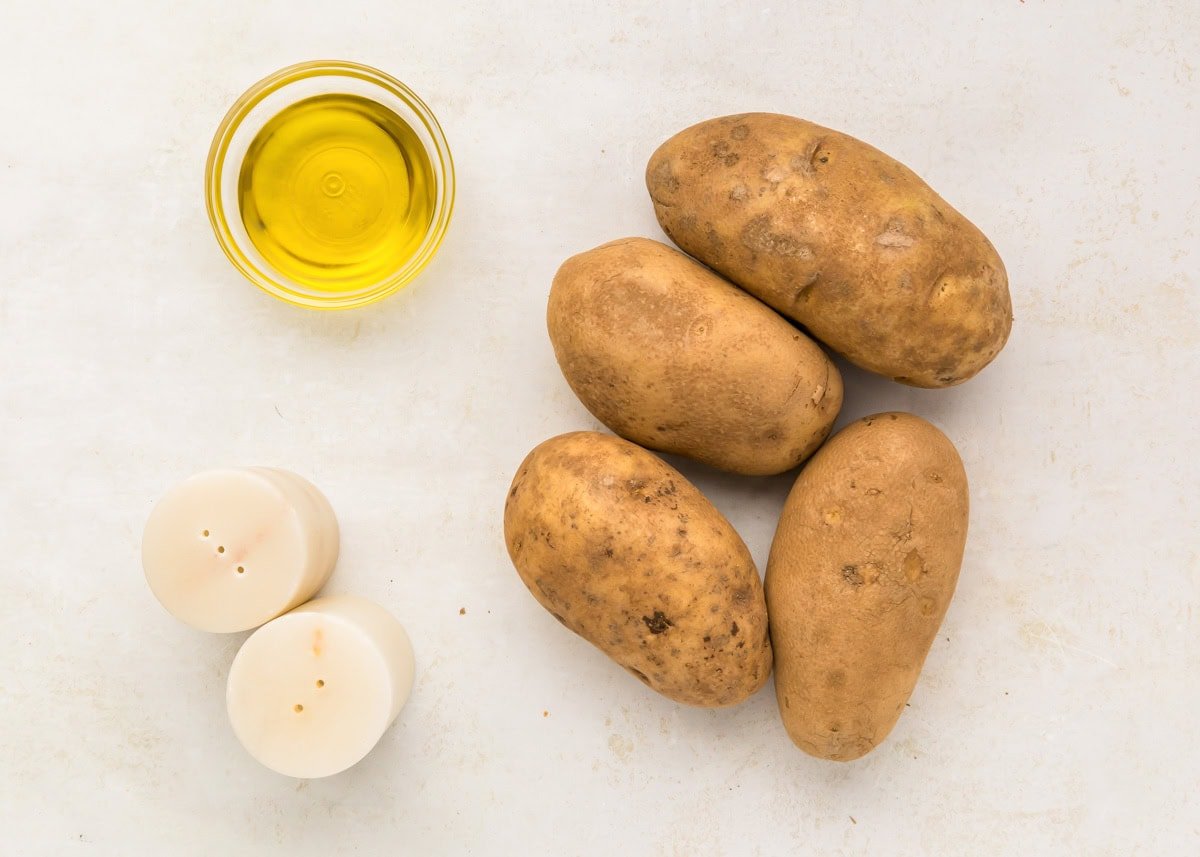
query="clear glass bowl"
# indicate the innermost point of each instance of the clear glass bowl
(257, 106)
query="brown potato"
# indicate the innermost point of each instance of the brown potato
(861, 571)
(628, 554)
(667, 354)
(838, 236)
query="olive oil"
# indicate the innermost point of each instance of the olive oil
(336, 192)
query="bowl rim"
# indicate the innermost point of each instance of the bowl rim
(274, 283)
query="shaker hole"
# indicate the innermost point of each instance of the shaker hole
(241, 569)
(220, 548)
(320, 682)
(204, 534)
(297, 708)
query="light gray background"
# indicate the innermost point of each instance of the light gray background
(1058, 710)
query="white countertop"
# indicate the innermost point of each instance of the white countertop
(1058, 710)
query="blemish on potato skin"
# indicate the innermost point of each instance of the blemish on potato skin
(894, 236)
(658, 623)
(801, 163)
(805, 292)
(774, 174)
(663, 178)
(914, 566)
(894, 241)
(714, 239)
(721, 152)
(759, 236)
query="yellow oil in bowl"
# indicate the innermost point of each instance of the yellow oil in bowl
(336, 191)
(329, 185)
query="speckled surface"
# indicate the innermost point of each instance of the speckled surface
(1057, 710)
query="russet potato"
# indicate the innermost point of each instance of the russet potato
(862, 568)
(628, 554)
(668, 354)
(838, 236)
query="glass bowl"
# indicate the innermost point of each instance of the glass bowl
(265, 100)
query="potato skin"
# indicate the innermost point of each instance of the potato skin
(669, 355)
(862, 569)
(840, 237)
(628, 554)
